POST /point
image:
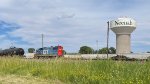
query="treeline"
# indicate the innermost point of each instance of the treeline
(89, 50)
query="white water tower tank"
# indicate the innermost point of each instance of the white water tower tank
(123, 27)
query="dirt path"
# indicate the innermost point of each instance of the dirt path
(12, 79)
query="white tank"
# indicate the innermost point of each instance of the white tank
(123, 27)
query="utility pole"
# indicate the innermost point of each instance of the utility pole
(42, 43)
(97, 47)
(107, 38)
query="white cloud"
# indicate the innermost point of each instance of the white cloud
(67, 22)
(5, 3)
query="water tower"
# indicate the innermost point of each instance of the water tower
(123, 27)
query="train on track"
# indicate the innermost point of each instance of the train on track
(57, 51)
(48, 52)
(125, 57)
(12, 51)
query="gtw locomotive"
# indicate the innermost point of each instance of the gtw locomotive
(56, 51)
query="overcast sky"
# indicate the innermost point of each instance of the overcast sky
(70, 23)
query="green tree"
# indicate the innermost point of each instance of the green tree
(64, 52)
(96, 51)
(31, 50)
(112, 50)
(103, 51)
(86, 50)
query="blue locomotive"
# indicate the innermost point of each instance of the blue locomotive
(50, 51)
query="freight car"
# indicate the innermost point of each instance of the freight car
(12, 51)
(48, 52)
(125, 58)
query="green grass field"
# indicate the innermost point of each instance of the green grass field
(61, 71)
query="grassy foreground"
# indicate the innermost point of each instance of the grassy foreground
(59, 71)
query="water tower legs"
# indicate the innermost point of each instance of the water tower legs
(122, 44)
